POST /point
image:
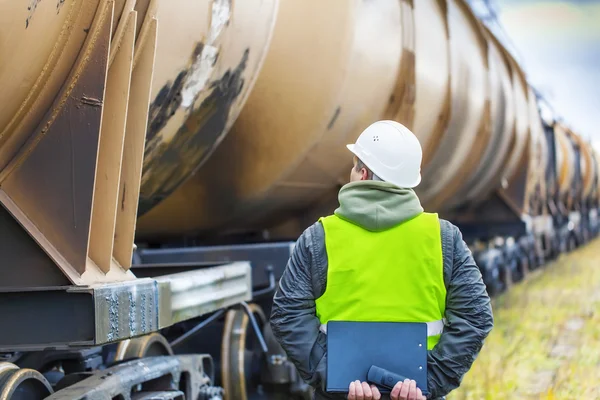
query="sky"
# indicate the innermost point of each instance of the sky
(558, 43)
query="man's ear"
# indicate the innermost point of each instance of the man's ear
(363, 174)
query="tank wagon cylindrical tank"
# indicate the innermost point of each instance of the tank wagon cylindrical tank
(451, 81)
(182, 123)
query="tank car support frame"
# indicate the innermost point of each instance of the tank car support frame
(60, 317)
(268, 260)
(162, 377)
(44, 310)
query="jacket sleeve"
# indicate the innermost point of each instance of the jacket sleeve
(468, 317)
(293, 315)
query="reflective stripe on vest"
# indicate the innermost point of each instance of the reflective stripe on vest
(395, 275)
(433, 328)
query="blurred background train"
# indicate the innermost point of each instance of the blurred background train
(229, 118)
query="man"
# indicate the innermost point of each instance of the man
(381, 258)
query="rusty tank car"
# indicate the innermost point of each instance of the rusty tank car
(158, 160)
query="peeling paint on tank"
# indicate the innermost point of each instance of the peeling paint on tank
(59, 5)
(31, 10)
(164, 107)
(336, 114)
(204, 63)
(198, 75)
(33, 6)
(221, 14)
(168, 164)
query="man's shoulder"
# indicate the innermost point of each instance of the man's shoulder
(447, 224)
(313, 233)
(449, 229)
(311, 256)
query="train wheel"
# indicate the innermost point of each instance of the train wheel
(151, 345)
(571, 242)
(524, 264)
(490, 263)
(508, 273)
(241, 355)
(22, 384)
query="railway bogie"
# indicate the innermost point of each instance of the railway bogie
(211, 133)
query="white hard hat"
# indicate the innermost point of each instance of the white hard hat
(391, 151)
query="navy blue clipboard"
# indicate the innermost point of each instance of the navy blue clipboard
(352, 347)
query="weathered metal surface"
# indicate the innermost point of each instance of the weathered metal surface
(73, 160)
(199, 292)
(44, 45)
(565, 159)
(111, 143)
(261, 257)
(468, 131)
(19, 384)
(521, 138)
(317, 89)
(24, 263)
(58, 164)
(46, 318)
(125, 310)
(536, 182)
(432, 54)
(150, 378)
(457, 87)
(163, 395)
(150, 345)
(137, 117)
(487, 174)
(106, 313)
(209, 55)
(238, 353)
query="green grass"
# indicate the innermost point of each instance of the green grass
(546, 340)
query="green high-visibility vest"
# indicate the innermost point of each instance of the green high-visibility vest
(394, 275)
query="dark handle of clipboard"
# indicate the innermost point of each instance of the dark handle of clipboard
(387, 379)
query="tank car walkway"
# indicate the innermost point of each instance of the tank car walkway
(546, 340)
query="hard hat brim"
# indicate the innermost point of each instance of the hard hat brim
(353, 148)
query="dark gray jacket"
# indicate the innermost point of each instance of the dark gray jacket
(468, 312)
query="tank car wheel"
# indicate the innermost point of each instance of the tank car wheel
(556, 246)
(571, 242)
(22, 384)
(241, 355)
(151, 345)
(585, 233)
(524, 264)
(508, 273)
(490, 263)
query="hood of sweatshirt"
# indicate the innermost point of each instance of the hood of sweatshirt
(377, 206)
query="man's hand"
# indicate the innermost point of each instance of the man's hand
(407, 390)
(362, 391)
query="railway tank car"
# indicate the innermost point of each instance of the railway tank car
(210, 133)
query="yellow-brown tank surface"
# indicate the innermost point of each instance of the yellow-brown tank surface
(209, 54)
(324, 82)
(565, 159)
(467, 132)
(330, 72)
(434, 68)
(252, 103)
(487, 174)
(40, 41)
